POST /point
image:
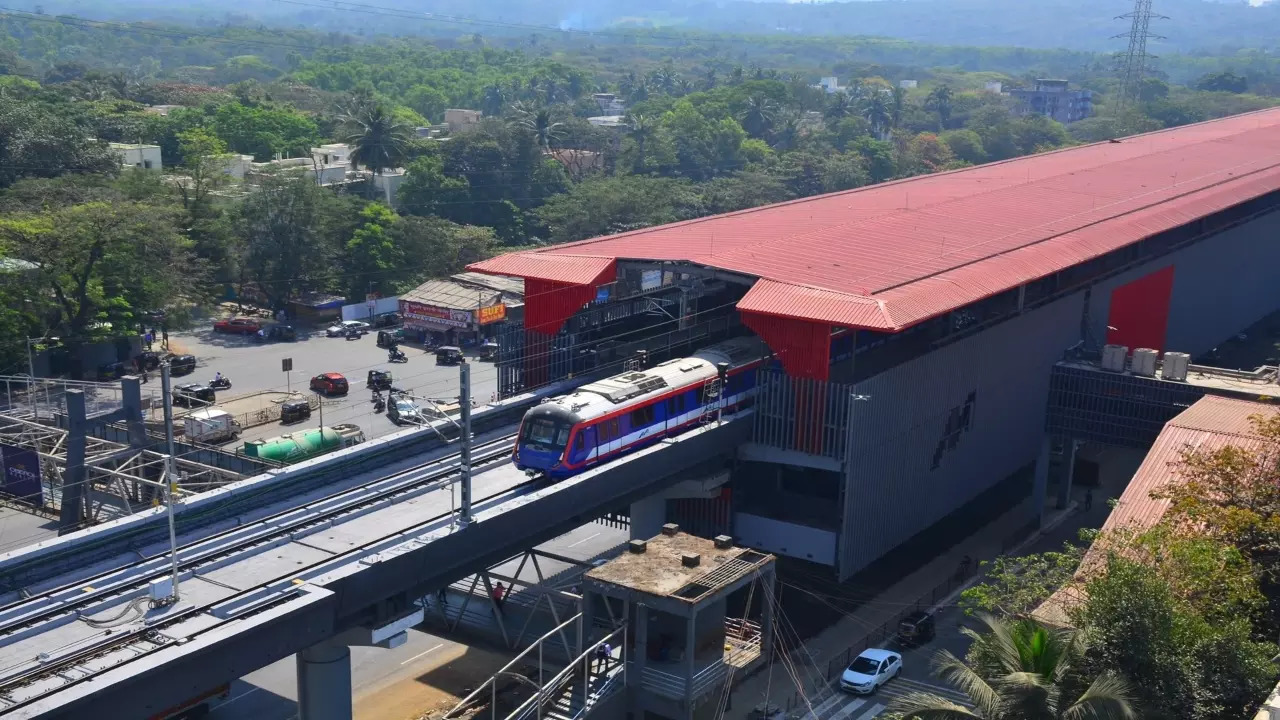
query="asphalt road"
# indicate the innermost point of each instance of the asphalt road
(254, 367)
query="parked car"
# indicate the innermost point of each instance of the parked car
(489, 351)
(403, 411)
(330, 384)
(149, 360)
(449, 355)
(112, 371)
(390, 319)
(182, 364)
(277, 333)
(871, 669)
(293, 411)
(238, 326)
(342, 328)
(916, 629)
(194, 395)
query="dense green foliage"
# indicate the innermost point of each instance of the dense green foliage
(703, 132)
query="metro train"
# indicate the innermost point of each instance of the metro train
(602, 420)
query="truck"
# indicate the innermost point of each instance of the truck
(303, 444)
(210, 425)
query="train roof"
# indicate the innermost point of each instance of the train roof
(604, 396)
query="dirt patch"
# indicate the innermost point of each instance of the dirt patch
(430, 693)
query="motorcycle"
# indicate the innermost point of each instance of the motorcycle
(379, 404)
(223, 384)
(397, 356)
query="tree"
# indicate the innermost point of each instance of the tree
(965, 145)
(877, 113)
(939, 101)
(261, 131)
(373, 258)
(758, 116)
(897, 104)
(378, 140)
(35, 142)
(1225, 81)
(427, 190)
(1021, 671)
(640, 130)
(600, 206)
(102, 262)
(1016, 586)
(541, 125)
(925, 153)
(204, 165)
(839, 107)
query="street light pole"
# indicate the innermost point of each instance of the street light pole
(170, 476)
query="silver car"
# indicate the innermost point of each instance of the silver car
(340, 329)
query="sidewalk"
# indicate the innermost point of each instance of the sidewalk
(814, 666)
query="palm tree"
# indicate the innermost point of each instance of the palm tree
(758, 115)
(378, 140)
(493, 101)
(710, 79)
(897, 103)
(787, 133)
(839, 107)
(1022, 671)
(735, 75)
(641, 130)
(539, 123)
(876, 111)
(939, 101)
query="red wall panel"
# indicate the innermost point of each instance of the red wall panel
(1139, 315)
(802, 346)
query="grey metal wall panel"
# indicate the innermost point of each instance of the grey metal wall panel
(1221, 285)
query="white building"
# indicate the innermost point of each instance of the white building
(609, 104)
(908, 84)
(461, 120)
(238, 165)
(830, 85)
(608, 121)
(387, 183)
(993, 87)
(332, 154)
(146, 157)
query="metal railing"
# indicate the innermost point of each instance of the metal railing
(802, 415)
(742, 643)
(550, 691)
(492, 683)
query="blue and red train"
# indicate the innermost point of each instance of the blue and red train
(605, 419)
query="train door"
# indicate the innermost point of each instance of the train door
(583, 443)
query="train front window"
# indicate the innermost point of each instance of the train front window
(545, 434)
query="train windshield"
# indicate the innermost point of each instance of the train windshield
(545, 434)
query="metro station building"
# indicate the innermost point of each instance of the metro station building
(916, 324)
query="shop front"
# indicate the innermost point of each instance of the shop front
(435, 326)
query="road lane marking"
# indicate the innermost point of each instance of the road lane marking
(246, 693)
(847, 710)
(585, 539)
(424, 652)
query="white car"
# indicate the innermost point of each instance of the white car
(340, 329)
(873, 668)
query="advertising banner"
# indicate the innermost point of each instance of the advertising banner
(428, 315)
(492, 314)
(21, 474)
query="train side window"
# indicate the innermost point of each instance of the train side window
(578, 442)
(608, 430)
(642, 416)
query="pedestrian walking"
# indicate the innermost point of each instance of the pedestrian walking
(442, 595)
(1088, 499)
(499, 594)
(148, 339)
(164, 338)
(603, 653)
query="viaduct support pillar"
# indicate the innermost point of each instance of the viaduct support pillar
(324, 682)
(648, 516)
(1068, 472)
(1040, 490)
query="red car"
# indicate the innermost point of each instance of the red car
(329, 384)
(241, 326)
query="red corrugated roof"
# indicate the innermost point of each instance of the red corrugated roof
(888, 256)
(1211, 423)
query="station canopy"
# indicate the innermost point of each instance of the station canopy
(889, 256)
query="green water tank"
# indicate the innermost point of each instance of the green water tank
(296, 446)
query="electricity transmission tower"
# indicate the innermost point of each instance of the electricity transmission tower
(1133, 64)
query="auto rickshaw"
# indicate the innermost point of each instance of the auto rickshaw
(449, 355)
(489, 351)
(378, 380)
(390, 338)
(293, 411)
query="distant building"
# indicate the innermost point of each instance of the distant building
(577, 162)
(829, 85)
(1052, 99)
(610, 104)
(993, 87)
(146, 157)
(161, 109)
(462, 120)
(908, 84)
(238, 165)
(608, 121)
